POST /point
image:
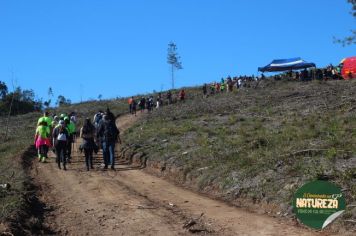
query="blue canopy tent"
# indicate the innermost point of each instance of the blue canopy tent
(286, 65)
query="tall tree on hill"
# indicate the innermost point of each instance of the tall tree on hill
(50, 95)
(352, 38)
(61, 100)
(173, 59)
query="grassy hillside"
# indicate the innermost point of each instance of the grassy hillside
(255, 145)
(21, 132)
(259, 144)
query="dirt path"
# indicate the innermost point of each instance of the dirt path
(131, 202)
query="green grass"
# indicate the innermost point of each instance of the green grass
(257, 141)
(21, 133)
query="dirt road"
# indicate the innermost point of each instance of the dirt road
(131, 202)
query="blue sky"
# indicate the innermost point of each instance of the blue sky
(119, 48)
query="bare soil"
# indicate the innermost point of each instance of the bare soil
(130, 201)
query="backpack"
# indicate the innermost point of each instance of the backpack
(88, 131)
(98, 117)
(110, 131)
(61, 134)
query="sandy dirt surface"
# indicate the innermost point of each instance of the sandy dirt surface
(129, 201)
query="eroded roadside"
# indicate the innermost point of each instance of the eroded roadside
(30, 218)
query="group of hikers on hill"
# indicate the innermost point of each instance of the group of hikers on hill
(56, 132)
(228, 84)
(328, 73)
(59, 133)
(149, 102)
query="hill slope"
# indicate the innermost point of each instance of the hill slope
(257, 145)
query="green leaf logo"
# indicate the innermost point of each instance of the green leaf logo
(318, 203)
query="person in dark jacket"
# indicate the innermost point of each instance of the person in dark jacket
(169, 97)
(61, 141)
(87, 133)
(108, 133)
(142, 104)
(205, 90)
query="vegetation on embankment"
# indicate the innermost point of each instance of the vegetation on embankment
(20, 137)
(258, 144)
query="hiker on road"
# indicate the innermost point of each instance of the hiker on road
(97, 118)
(142, 104)
(205, 90)
(55, 122)
(108, 133)
(42, 140)
(182, 95)
(61, 141)
(47, 118)
(149, 103)
(134, 107)
(158, 101)
(169, 97)
(71, 131)
(212, 88)
(87, 133)
(130, 104)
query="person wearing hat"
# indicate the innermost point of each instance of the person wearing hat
(55, 121)
(60, 141)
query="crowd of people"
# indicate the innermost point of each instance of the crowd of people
(59, 134)
(228, 84)
(150, 102)
(328, 73)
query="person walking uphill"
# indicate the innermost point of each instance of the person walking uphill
(71, 131)
(87, 133)
(42, 140)
(182, 95)
(61, 141)
(46, 117)
(108, 133)
(130, 100)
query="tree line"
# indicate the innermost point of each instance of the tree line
(21, 101)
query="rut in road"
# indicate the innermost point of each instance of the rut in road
(131, 202)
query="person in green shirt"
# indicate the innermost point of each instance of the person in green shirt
(55, 122)
(42, 141)
(71, 130)
(46, 117)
